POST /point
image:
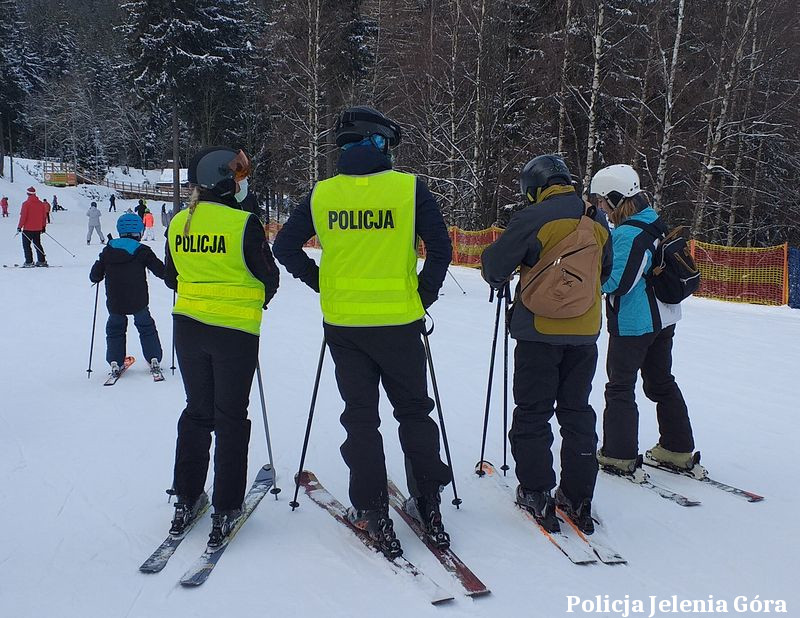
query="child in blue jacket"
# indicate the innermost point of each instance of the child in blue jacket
(122, 264)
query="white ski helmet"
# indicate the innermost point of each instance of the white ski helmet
(615, 183)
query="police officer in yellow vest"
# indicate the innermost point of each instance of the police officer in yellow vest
(219, 262)
(368, 219)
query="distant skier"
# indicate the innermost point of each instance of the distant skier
(122, 264)
(556, 352)
(94, 223)
(47, 209)
(140, 208)
(56, 205)
(149, 223)
(32, 223)
(373, 303)
(165, 217)
(641, 329)
(219, 262)
(4, 205)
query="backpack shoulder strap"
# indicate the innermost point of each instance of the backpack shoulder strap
(650, 228)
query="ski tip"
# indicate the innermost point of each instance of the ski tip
(484, 468)
(306, 477)
(266, 473)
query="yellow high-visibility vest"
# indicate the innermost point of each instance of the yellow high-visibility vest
(214, 284)
(368, 270)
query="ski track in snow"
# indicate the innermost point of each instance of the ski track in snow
(84, 467)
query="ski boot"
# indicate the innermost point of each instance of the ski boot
(155, 369)
(222, 524)
(186, 511)
(685, 463)
(630, 469)
(28, 265)
(580, 516)
(541, 505)
(378, 525)
(42, 264)
(115, 370)
(425, 509)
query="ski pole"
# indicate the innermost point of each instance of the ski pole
(479, 468)
(275, 489)
(506, 293)
(60, 245)
(456, 280)
(456, 500)
(294, 503)
(94, 323)
(173, 337)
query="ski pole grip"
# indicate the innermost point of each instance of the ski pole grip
(425, 329)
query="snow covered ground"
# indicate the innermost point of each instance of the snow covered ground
(83, 468)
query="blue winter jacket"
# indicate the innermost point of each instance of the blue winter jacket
(631, 305)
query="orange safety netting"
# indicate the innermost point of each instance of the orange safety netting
(748, 275)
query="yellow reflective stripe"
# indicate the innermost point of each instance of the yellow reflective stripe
(366, 307)
(216, 308)
(361, 284)
(218, 290)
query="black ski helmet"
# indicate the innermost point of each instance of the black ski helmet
(542, 172)
(218, 169)
(357, 123)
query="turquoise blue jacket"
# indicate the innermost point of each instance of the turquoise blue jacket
(631, 305)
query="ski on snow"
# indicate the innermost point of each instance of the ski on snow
(642, 479)
(21, 266)
(577, 548)
(201, 569)
(159, 558)
(473, 586)
(112, 380)
(699, 473)
(598, 540)
(321, 497)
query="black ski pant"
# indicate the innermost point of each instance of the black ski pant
(36, 239)
(217, 366)
(393, 356)
(116, 335)
(652, 354)
(554, 378)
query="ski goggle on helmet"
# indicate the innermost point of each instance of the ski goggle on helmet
(219, 168)
(376, 139)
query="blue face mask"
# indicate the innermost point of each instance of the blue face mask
(242, 192)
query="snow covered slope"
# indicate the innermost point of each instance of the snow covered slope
(83, 468)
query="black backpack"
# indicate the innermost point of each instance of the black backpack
(674, 275)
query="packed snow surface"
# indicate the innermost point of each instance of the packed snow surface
(83, 468)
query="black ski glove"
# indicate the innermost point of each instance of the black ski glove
(426, 296)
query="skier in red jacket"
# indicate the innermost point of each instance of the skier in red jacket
(32, 222)
(4, 205)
